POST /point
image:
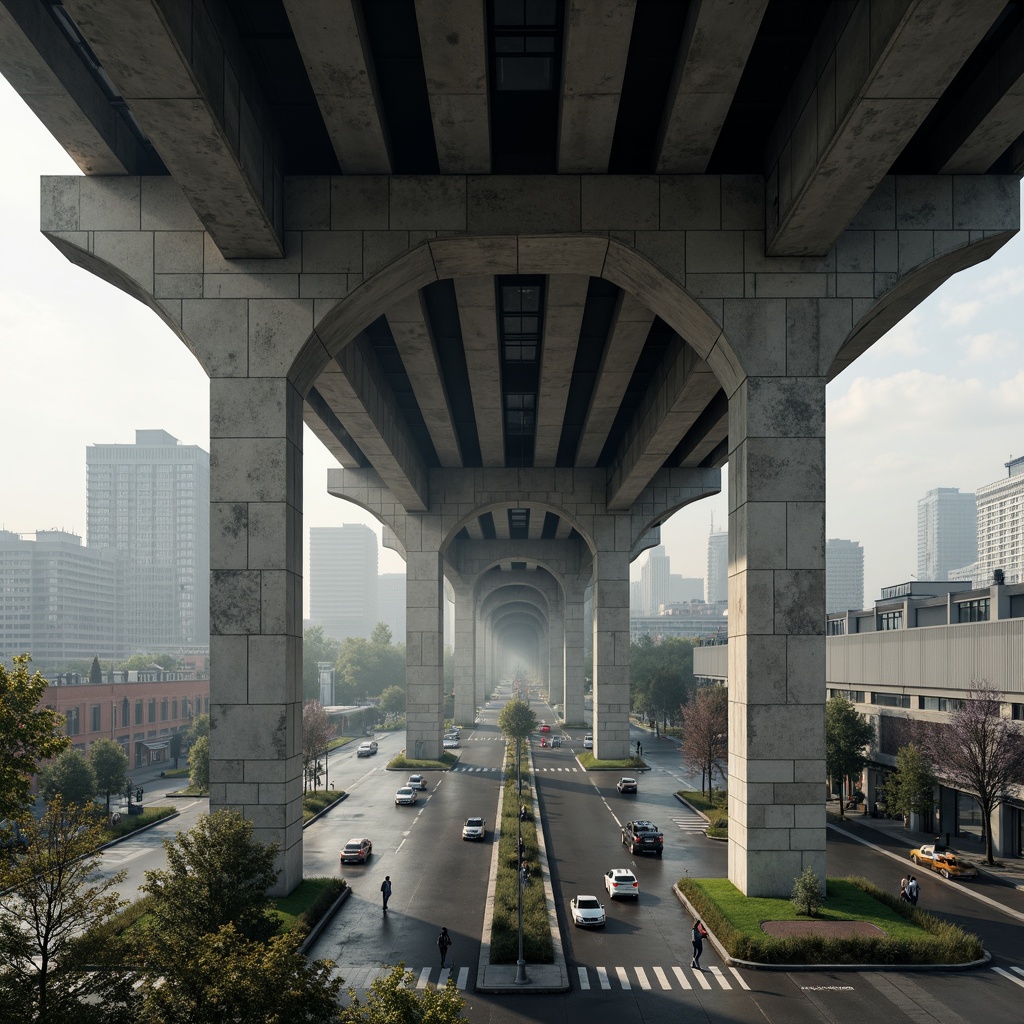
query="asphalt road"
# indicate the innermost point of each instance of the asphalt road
(636, 968)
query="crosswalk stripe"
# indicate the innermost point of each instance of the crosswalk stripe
(623, 977)
(1019, 970)
(442, 978)
(662, 979)
(584, 978)
(424, 978)
(704, 983)
(683, 980)
(641, 976)
(739, 977)
(602, 977)
(1006, 974)
(720, 977)
(463, 979)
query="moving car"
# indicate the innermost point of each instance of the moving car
(450, 742)
(621, 882)
(643, 837)
(556, 741)
(545, 728)
(625, 785)
(475, 828)
(406, 795)
(366, 749)
(587, 911)
(417, 782)
(588, 742)
(356, 850)
(947, 862)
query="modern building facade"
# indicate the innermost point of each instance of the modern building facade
(343, 579)
(716, 583)
(947, 534)
(150, 502)
(391, 603)
(59, 600)
(1001, 526)
(844, 575)
(654, 581)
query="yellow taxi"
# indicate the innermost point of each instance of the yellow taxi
(947, 862)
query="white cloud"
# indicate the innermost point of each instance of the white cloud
(960, 313)
(988, 347)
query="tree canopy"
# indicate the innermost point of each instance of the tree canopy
(29, 733)
(660, 676)
(517, 720)
(365, 668)
(980, 752)
(392, 700)
(706, 733)
(199, 763)
(847, 734)
(110, 766)
(95, 672)
(69, 776)
(910, 791)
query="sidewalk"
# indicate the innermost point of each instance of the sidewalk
(1009, 870)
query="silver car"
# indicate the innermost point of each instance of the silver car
(475, 828)
(406, 795)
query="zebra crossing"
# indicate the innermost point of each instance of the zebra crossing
(1014, 974)
(473, 768)
(689, 821)
(361, 977)
(618, 978)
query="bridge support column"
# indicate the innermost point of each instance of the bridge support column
(556, 652)
(467, 698)
(575, 710)
(611, 654)
(776, 631)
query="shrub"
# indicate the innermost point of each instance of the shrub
(806, 896)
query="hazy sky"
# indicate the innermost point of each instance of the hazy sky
(938, 402)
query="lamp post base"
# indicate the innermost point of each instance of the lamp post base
(521, 978)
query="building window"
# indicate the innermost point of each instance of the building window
(973, 611)
(836, 627)
(950, 705)
(151, 717)
(163, 710)
(94, 718)
(1017, 712)
(138, 712)
(890, 620)
(519, 413)
(854, 696)
(71, 725)
(174, 710)
(125, 713)
(891, 700)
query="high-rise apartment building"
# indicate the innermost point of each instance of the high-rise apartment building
(343, 580)
(654, 574)
(844, 575)
(150, 502)
(947, 533)
(58, 600)
(1001, 527)
(391, 604)
(716, 583)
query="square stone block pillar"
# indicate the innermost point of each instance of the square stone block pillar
(776, 633)
(256, 610)
(466, 697)
(556, 654)
(575, 709)
(424, 639)
(611, 655)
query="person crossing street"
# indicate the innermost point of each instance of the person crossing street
(444, 943)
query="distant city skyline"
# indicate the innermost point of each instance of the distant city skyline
(84, 363)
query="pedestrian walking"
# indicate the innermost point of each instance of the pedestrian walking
(444, 943)
(698, 935)
(637, 748)
(385, 890)
(903, 887)
(913, 890)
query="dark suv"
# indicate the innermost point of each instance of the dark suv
(643, 837)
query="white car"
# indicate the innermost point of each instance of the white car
(417, 782)
(587, 912)
(588, 742)
(366, 749)
(406, 795)
(621, 882)
(450, 742)
(475, 828)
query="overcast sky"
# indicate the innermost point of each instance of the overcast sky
(938, 402)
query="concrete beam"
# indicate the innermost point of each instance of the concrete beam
(479, 324)
(631, 325)
(714, 49)
(185, 77)
(597, 34)
(414, 340)
(858, 101)
(318, 416)
(453, 41)
(332, 40)
(671, 406)
(563, 315)
(358, 387)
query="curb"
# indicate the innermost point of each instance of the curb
(686, 803)
(138, 831)
(314, 932)
(329, 807)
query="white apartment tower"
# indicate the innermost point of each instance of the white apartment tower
(150, 501)
(654, 574)
(1001, 527)
(947, 533)
(716, 583)
(844, 575)
(343, 580)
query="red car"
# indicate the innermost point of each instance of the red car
(545, 728)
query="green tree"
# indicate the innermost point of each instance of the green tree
(317, 732)
(110, 766)
(392, 701)
(29, 733)
(69, 776)
(53, 892)
(394, 998)
(141, 661)
(911, 791)
(95, 673)
(366, 667)
(660, 676)
(517, 720)
(223, 977)
(847, 734)
(216, 874)
(200, 727)
(316, 647)
(706, 733)
(807, 896)
(199, 764)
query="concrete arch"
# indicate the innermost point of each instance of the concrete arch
(500, 506)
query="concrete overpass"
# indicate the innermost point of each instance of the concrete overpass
(534, 283)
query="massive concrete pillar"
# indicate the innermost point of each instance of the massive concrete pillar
(575, 713)
(556, 651)
(776, 629)
(424, 638)
(611, 654)
(466, 697)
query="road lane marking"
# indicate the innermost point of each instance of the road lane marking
(1006, 974)
(720, 977)
(623, 977)
(683, 980)
(442, 978)
(641, 976)
(424, 978)
(704, 983)
(602, 977)
(739, 977)
(463, 978)
(584, 978)
(662, 978)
